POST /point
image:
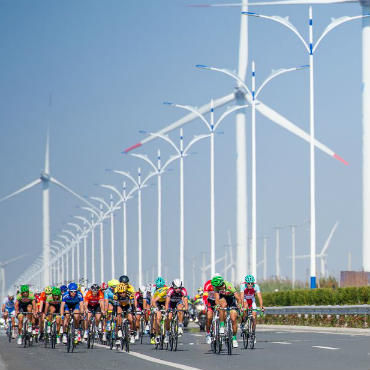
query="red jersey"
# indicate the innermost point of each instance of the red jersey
(93, 300)
(208, 292)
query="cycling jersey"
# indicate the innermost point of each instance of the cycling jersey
(176, 297)
(93, 300)
(24, 301)
(54, 302)
(72, 303)
(123, 300)
(109, 294)
(9, 304)
(225, 291)
(140, 297)
(160, 294)
(250, 294)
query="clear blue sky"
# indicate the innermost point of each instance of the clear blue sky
(110, 65)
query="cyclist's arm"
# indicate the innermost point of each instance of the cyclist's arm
(41, 305)
(81, 306)
(47, 307)
(154, 301)
(3, 308)
(34, 308)
(259, 295)
(237, 296)
(217, 298)
(167, 304)
(186, 303)
(16, 307)
(62, 308)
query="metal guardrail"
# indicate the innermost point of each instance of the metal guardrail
(319, 310)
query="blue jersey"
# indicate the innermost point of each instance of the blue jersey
(9, 305)
(109, 294)
(72, 302)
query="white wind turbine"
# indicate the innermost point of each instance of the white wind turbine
(240, 96)
(45, 178)
(322, 256)
(2, 273)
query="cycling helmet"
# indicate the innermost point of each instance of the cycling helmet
(121, 288)
(95, 287)
(72, 287)
(217, 281)
(142, 289)
(159, 282)
(63, 288)
(177, 283)
(124, 279)
(216, 274)
(113, 283)
(249, 279)
(25, 288)
(104, 286)
(56, 291)
(48, 290)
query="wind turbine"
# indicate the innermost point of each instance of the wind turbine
(45, 179)
(240, 96)
(2, 273)
(322, 256)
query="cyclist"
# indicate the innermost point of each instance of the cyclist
(52, 306)
(25, 303)
(94, 305)
(109, 303)
(226, 297)
(72, 302)
(124, 279)
(8, 310)
(142, 304)
(63, 289)
(158, 301)
(248, 291)
(41, 307)
(209, 301)
(124, 298)
(177, 297)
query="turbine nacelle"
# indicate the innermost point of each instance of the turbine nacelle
(44, 176)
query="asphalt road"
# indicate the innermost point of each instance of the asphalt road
(275, 349)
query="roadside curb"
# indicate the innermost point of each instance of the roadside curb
(348, 331)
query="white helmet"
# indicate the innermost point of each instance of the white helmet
(142, 288)
(216, 274)
(177, 283)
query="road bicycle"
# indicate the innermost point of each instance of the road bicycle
(50, 330)
(248, 333)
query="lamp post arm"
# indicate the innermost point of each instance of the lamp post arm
(146, 159)
(128, 175)
(148, 177)
(283, 21)
(192, 110)
(277, 73)
(85, 220)
(225, 114)
(112, 188)
(335, 23)
(92, 211)
(77, 227)
(169, 161)
(166, 138)
(195, 139)
(101, 200)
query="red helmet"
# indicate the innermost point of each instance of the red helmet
(104, 286)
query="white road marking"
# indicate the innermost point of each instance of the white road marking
(153, 359)
(332, 348)
(197, 335)
(281, 342)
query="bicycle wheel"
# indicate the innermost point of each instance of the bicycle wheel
(69, 340)
(10, 330)
(229, 337)
(163, 333)
(246, 334)
(175, 334)
(127, 337)
(142, 328)
(92, 334)
(217, 339)
(53, 336)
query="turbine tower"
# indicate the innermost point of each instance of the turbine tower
(46, 178)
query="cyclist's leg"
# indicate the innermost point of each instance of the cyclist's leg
(222, 313)
(180, 314)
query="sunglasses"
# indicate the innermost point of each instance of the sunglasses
(73, 291)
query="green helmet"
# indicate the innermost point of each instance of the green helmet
(56, 291)
(249, 279)
(48, 290)
(25, 288)
(217, 281)
(159, 282)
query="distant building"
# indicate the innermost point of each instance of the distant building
(354, 278)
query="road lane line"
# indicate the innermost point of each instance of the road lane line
(154, 359)
(322, 347)
(281, 342)
(196, 335)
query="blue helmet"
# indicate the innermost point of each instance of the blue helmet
(63, 288)
(159, 282)
(72, 286)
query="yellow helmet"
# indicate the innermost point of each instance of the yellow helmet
(121, 288)
(113, 283)
(48, 290)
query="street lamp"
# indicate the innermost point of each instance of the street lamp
(158, 169)
(75, 241)
(212, 127)
(61, 245)
(67, 240)
(310, 47)
(123, 198)
(181, 153)
(139, 185)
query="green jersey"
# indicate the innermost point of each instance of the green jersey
(226, 291)
(26, 300)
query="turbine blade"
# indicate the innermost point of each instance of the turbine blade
(13, 260)
(328, 240)
(284, 122)
(56, 182)
(214, 5)
(29, 186)
(186, 119)
(302, 2)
